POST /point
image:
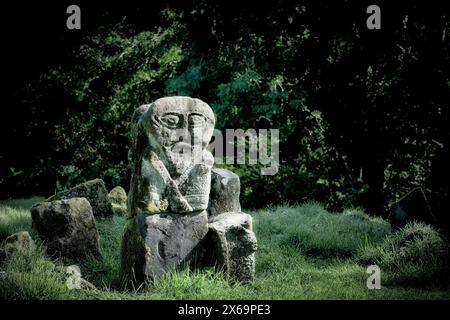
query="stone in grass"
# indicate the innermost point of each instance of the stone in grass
(155, 244)
(94, 191)
(225, 189)
(19, 243)
(118, 198)
(67, 228)
(118, 195)
(231, 245)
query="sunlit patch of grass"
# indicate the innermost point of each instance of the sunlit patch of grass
(304, 252)
(15, 215)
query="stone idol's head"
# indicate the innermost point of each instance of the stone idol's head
(179, 130)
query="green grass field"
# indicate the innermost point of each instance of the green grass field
(304, 252)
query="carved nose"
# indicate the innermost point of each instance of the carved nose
(183, 136)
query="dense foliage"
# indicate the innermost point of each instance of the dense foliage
(362, 114)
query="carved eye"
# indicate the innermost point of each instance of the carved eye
(170, 120)
(196, 120)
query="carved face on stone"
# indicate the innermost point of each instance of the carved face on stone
(179, 129)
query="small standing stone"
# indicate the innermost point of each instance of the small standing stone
(233, 245)
(118, 198)
(225, 189)
(67, 227)
(19, 243)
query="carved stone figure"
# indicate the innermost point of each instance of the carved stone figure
(172, 168)
(169, 196)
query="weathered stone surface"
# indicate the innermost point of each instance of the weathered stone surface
(154, 244)
(118, 195)
(233, 245)
(94, 191)
(169, 196)
(225, 189)
(118, 198)
(19, 243)
(67, 227)
(171, 166)
(413, 206)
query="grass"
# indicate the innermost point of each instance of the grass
(416, 254)
(304, 252)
